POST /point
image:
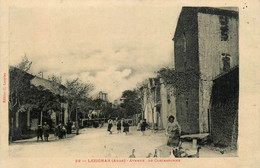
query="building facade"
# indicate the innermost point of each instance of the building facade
(205, 42)
(25, 115)
(158, 102)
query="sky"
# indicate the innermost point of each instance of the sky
(111, 46)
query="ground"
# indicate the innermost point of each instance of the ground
(96, 142)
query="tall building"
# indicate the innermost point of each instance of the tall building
(205, 42)
(102, 96)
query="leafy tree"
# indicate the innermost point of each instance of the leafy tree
(77, 91)
(182, 81)
(43, 101)
(19, 82)
(131, 102)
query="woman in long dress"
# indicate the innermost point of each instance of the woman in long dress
(109, 127)
(173, 132)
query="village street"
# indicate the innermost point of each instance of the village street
(91, 142)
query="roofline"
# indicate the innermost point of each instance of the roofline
(213, 11)
(34, 76)
(225, 73)
(206, 10)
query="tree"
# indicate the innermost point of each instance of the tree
(131, 102)
(77, 91)
(43, 101)
(19, 82)
(182, 81)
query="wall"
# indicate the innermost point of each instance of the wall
(210, 57)
(224, 111)
(188, 25)
(211, 47)
(187, 60)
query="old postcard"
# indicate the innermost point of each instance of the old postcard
(130, 83)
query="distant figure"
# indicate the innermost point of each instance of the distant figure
(139, 125)
(46, 129)
(143, 126)
(69, 127)
(60, 133)
(64, 131)
(39, 133)
(118, 126)
(173, 132)
(110, 125)
(126, 127)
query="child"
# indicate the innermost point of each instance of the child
(143, 126)
(109, 127)
(118, 125)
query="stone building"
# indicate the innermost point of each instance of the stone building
(158, 102)
(205, 42)
(102, 96)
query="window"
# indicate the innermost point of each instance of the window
(226, 58)
(223, 20)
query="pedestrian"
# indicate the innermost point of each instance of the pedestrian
(64, 131)
(46, 129)
(69, 127)
(143, 126)
(118, 126)
(60, 133)
(39, 133)
(139, 125)
(173, 131)
(110, 125)
(126, 127)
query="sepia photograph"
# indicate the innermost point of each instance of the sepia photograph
(74, 87)
(131, 83)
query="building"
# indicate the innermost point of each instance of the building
(102, 96)
(205, 42)
(158, 101)
(224, 109)
(26, 115)
(57, 89)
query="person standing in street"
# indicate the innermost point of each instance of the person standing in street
(118, 126)
(173, 131)
(110, 125)
(126, 127)
(39, 133)
(143, 126)
(46, 129)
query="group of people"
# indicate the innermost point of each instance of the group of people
(119, 124)
(43, 130)
(142, 125)
(60, 131)
(173, 130)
